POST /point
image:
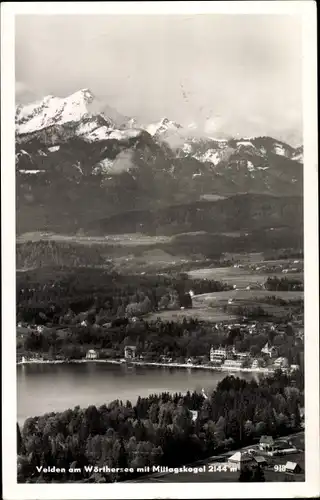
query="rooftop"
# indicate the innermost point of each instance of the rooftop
(240, 457)
(266, 440)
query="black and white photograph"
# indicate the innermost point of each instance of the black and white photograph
(162, 212)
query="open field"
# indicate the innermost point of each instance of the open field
(239, 276)
(131, 239)
(212, 197)
(216, 301)
(210, 306)
(242, 296)
(210, 315)
(248, 258)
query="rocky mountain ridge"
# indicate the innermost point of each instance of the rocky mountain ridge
(70, 153)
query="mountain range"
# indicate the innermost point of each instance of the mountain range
(79, 162)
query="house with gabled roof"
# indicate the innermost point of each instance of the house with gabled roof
(91, 354)
(241, 459)
(269, 350)
(266, 443)
(293, 468)
(260, 461)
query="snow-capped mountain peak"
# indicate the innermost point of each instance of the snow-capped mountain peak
(55, 120)
(74, 134)
(53, 111)
(83, 94)
(164, 126)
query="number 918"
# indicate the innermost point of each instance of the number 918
(280, 468)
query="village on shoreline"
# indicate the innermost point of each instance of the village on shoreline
(143, 363)
(131, 363)
(219, 358)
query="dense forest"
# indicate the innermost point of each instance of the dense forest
(283, 284)
(260, 309)
(241, 212)
(41, 253)
(284, 254)
(158, 429)
(48, 296)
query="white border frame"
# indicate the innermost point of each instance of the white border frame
(311, 487)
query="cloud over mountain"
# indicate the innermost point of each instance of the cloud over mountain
(246, 69)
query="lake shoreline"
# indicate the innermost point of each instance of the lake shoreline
(145, 363)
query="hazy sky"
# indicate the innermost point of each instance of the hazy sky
(232, 74)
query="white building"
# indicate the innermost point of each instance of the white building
(92, 354)
(269, 350)
(242, 355)
(203, 392)
(257, 363)
(233, 363)
(293, 468)
(281, 363)
(241, 459)
(266, 443)
(130, 352)
(220, 353)
(217, 361)
(194, 415)
(294, 368)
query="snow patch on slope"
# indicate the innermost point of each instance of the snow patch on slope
(122, 163)
(279, 150)
(215, 139)
(187, 149)
(163, 127)
(245, 143)
(124, 134)
(210, 156)
(87, 128)
(99, 134)
(298, 157)
(31, 172)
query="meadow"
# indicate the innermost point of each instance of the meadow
(241, 277)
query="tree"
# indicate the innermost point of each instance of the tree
(254, 350)
(174, 300)
(153, 412)
(186, 300)
(245, 475)
(248, 429)
(145, 305)
(19, 440)
(159, 429)
(119, 454)
(164, 302)
(133, 309)
(258, 475)
(24, 469)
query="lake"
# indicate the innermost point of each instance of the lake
(47, 388)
